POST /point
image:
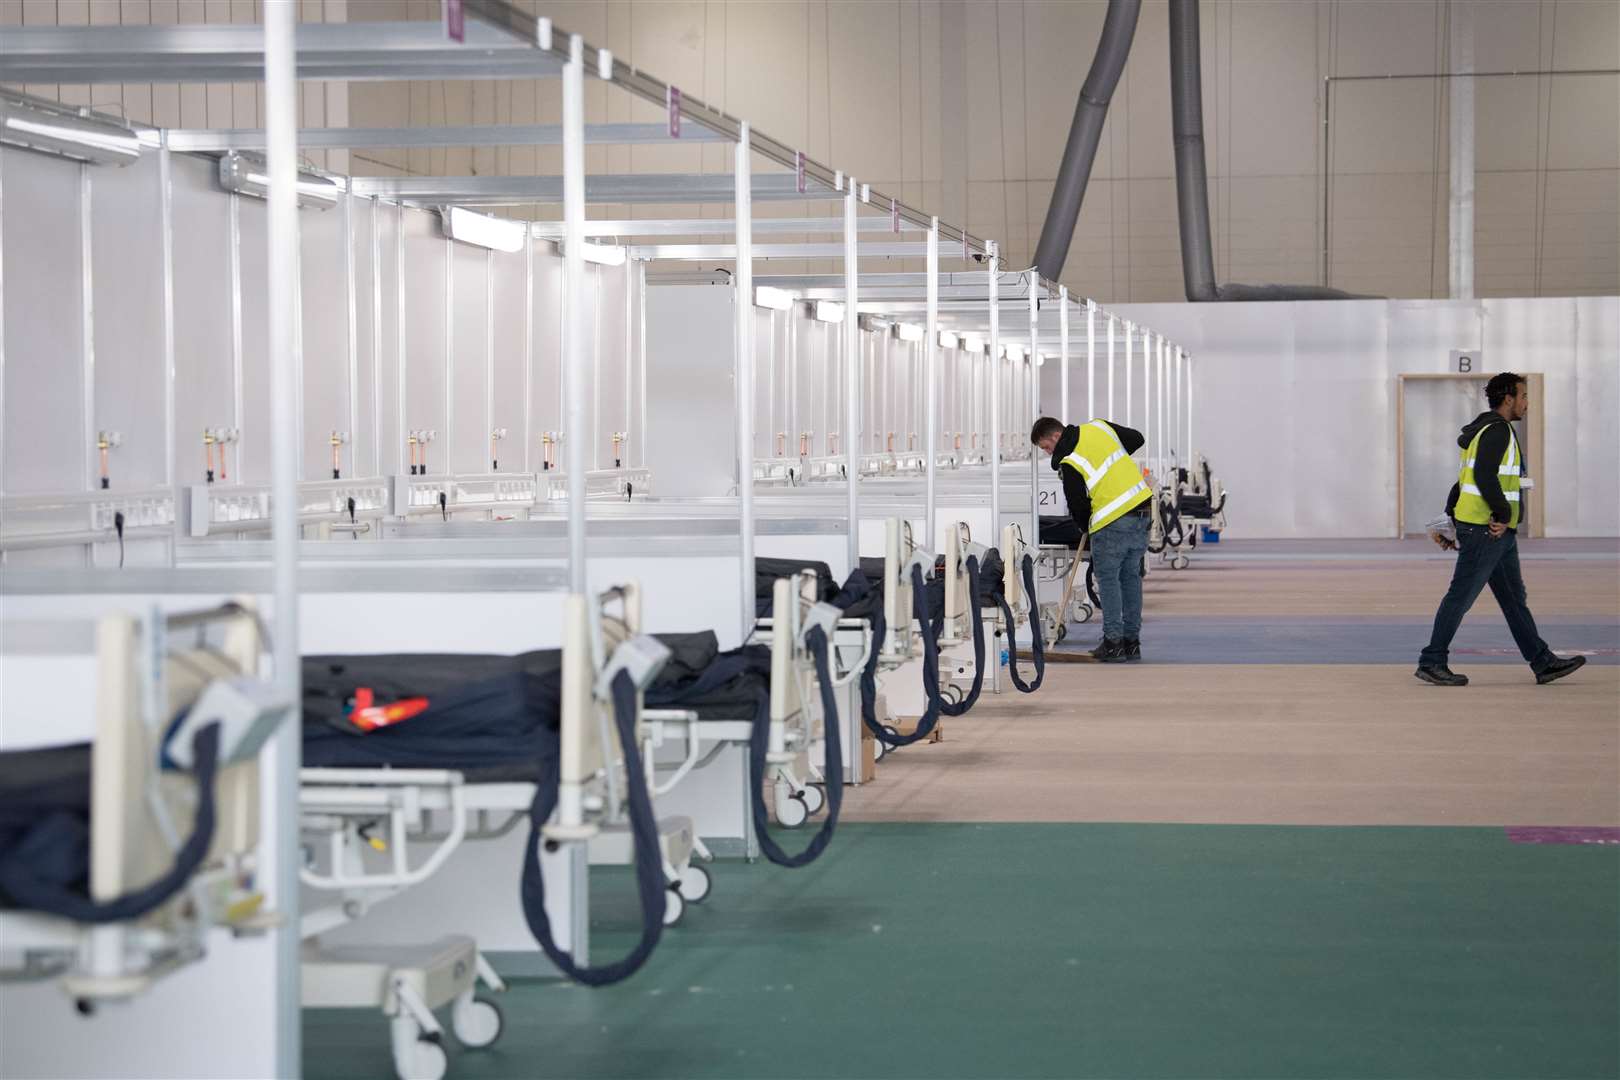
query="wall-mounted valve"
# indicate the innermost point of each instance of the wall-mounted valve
(338, 439)
(548, 449)
(619, 440)
(832, 442)
(106, 441)
(495, 438)
(418, 440)
(781, 443)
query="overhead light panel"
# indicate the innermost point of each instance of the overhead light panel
(948, 340)
(64, 133)
(873, 324)
(908, 331)
(775, 299)
(497, 234)
(828, 311)
(604, 254)
(247, 174)
(973, 343)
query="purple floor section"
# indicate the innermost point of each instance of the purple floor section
(1562, 834)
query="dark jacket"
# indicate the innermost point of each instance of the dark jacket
(1493, 445)
(1074, 484)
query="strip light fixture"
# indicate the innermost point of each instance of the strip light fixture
(63, 133)
(828, 311)
(948, 340)
(482, 230)
(246, 174)
(907, 331)
(766, 296)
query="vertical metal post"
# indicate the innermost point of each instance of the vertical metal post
(931, 391)
(1110, 367)
(87, 342)
(994, 263)
(1189, 406)
(1163, 407)
(401, 356)
(3, 351)
(279, 799)
(1063, 353)
(597, 367)
(1130, 332)
(743, 284)
(528, 347)
(376, 340)
(235, 257)
(1032, 384)
(166, 210)
(573, 354)
(852, 376)
(489, 355)
(1461, 216)
(1091, 359)
(350, 315)
(630, 276)
(447, 465)
(641, 366)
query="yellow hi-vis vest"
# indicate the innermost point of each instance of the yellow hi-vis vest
(1112, 478)
(1471, 505)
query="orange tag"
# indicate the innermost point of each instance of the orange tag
(369, 717)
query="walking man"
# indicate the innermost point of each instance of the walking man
(1108, 498)
(1484, 503)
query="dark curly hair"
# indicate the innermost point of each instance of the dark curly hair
(1502, 386)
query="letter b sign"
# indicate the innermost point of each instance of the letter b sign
(1466, 361)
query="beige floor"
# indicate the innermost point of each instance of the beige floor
(1287, 744)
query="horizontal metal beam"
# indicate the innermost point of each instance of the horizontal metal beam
(704, 252)
(415, 138)
(235, 53)
(631, 188)
(725, 226)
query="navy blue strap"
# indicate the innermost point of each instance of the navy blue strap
(34, 894)
(816, 641)
(1037, 645)
(978, 645)
(649, 861)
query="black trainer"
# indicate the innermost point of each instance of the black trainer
(1560, 666)
(1440, 675)
(1109, 651)
(1132, 648)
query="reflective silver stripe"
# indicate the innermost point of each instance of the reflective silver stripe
(1470, 489)
(1511, 496)
(1098, 515)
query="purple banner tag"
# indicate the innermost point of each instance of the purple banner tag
(674, 103)
(894, 215)
(1562, 834)
(455, 20)
(798, 169)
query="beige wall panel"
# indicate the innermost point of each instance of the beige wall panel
(1587, 35)
(984, 155)
(1507, 35)
(1274, 89)
(1380, 127)
(1506, 123)
(866, 89)
(1505, 234)
(1385, 37)
(1272, 235)
(767, 64)
(1148, 144)
(1381, 235)
(1585, 122)
(1155, 252)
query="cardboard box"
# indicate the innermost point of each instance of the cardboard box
(867, 757)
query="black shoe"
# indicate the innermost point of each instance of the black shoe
(1109, 651)
(1132, 648)
(1560, 666)
(1440, 675)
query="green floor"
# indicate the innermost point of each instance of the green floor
(1094, 950)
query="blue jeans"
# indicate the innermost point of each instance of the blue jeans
(1483, 561)
(1117, 550)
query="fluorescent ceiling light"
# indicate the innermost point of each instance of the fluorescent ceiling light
(973, 343)
(246, 174)
(1012, 352)
(873, 324)
(494, 233)
(948, 340)
(775, 299)
(604, 254)
(828, 311)
(66, 134)
(907, 331)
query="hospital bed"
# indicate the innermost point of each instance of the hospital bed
(102, 885)
(1196, 501)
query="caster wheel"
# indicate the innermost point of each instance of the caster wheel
(696, 884)
(952, 694)
(1062, 632)
(815, 798)
(477, 1023)
(674, 907)
(1083, 612)
(425, 1060)
(883, 749)
(1181, 562)
(791, 812)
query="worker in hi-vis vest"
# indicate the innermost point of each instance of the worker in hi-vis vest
(1109, 498)
(1485, 505)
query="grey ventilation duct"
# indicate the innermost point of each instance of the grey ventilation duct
(1192, 183)
(1119, 28)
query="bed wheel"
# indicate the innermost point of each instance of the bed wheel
(815, 799)
(1062, 632)
(696, 884)
(1180, 562)
(883, 749)
(792, 811)
(674, 907)
(1083, 612)
(476, 1022)
(423, 1059)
